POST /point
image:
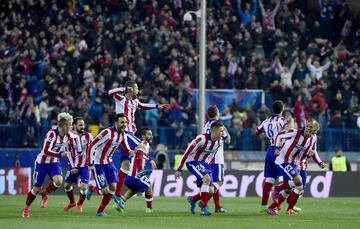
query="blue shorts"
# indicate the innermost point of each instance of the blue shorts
(83, 173)
(289, 171)
(136, 184)
(133, 141)
(217, 171)
(271, 169)
(303, 175)
(105, 174)
(199, 169)
(40, 171)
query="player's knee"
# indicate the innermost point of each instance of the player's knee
(125, 165)
(206, 179)
(83, 186)
(58, 181)
(211, 190)
(104, 191)
(36, 189)
(67, 185)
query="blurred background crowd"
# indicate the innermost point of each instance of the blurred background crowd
(65, 55)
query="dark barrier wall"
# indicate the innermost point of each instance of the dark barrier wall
(16, 181)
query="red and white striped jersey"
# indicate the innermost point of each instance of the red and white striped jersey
(304, 163)
(138, 161)
(200, 149)
(219, 156)
(271, 127)
(295, 147)
(128, 107)
(53, 145)
(105, 144)
(78, 148)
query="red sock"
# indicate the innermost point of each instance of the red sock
(121, 176)
(266, 193)
(292, 199)
(196, 198)
(216, 198)
(149, 200)
(81, 199)
(30, 198)
(94, 189)
(71, 195)
(282, 186)
(204, 199)
(105, 200)
(275, 204)
(49, 189)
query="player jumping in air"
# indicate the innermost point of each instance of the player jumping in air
(128, 104)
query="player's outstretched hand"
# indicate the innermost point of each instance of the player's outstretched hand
(323, 165)
(311, 153)
(177, 175)
(163, 106)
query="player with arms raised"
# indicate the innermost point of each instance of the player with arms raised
(128, 104)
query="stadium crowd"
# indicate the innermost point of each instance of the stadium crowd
(64, 56)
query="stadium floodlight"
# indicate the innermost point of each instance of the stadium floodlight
(188, 17)
(201, 14)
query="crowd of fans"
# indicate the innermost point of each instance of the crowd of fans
(65, 55)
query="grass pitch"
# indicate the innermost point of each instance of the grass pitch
(174, 213)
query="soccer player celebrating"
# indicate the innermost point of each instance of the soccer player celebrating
(271, 127)
(197, 157)
(78, 149)
(138, 177)
(127, 104)
(101, 151)
(302, 172)
(47, 162)
(298, 145)
(217, 163)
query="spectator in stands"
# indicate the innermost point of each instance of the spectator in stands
(339, 163)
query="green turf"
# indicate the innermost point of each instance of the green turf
(174, 213)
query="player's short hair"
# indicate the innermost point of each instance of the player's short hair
(64, 117)
(118, 116)
(143, 131)
(312, 120)
(76, 119)
(130, 83)
(215, 125)
(277, 106)
(212, 111)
